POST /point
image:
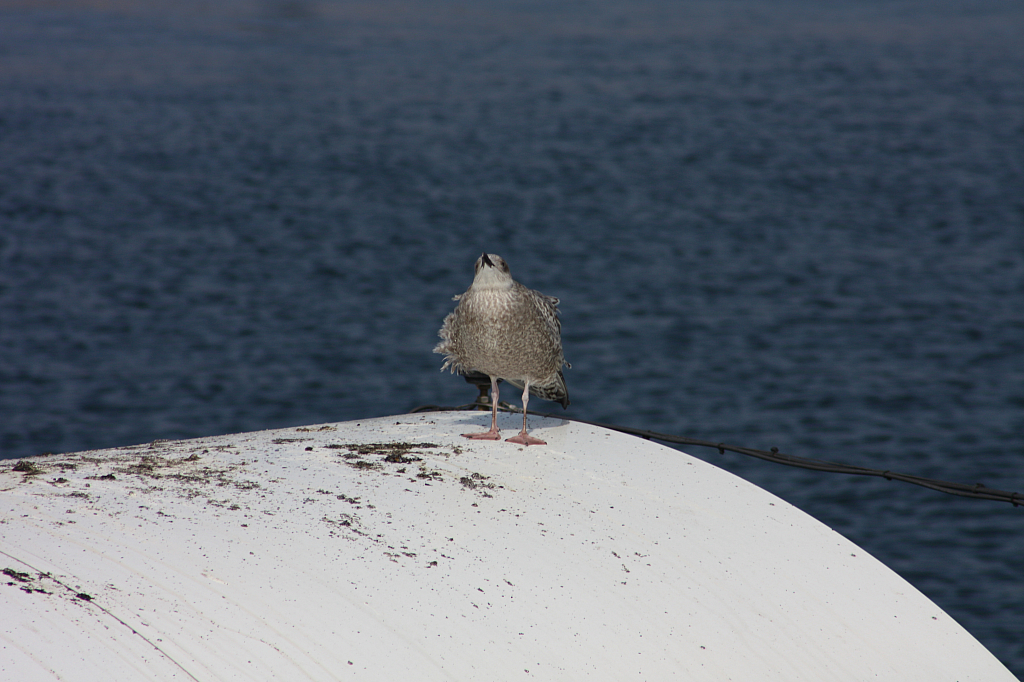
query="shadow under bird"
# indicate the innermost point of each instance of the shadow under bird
(506, 331)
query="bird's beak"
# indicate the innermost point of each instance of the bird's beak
(487, 261)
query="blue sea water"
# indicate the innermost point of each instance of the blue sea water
(769, 223)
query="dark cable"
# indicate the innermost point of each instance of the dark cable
(977, 491)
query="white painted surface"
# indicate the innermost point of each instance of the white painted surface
(601, 556)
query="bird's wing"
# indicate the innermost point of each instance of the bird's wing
(547, 306)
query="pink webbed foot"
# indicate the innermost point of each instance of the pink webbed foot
(483, 435)
(523, 439)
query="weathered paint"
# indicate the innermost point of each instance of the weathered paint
(290, 554)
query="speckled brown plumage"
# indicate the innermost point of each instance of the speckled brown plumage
(506, 331)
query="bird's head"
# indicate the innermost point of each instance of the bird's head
(492, 272)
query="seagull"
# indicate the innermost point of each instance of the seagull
(506, 331)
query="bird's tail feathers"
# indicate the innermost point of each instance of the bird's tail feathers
(555, 390)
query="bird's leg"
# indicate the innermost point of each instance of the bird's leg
(493, 433)
(523, 438)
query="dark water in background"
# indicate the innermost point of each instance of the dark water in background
(769, 224)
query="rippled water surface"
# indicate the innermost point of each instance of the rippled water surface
(769, 224)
